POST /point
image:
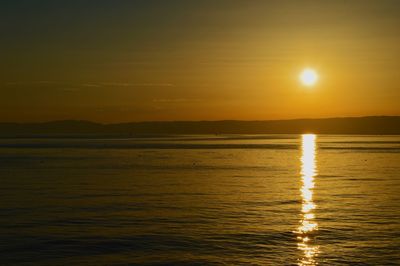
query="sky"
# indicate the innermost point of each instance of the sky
(148, 60)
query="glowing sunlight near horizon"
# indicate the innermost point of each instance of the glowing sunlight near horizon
(309, 77)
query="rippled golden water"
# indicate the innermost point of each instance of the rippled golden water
(308, 224)
(201, 200)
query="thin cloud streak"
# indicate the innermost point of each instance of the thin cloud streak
(88, 84)
(122, 84)
(176, 100)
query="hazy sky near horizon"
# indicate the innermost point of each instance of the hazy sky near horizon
(115, 61)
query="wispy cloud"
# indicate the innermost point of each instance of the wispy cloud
(124, 84)
(85, 85)
(91, 85)
(18, 83)
(175, 100)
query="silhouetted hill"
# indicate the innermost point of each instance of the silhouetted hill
(388, 125)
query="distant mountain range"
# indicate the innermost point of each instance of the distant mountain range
(386, 125)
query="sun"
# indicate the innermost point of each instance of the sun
(309, 77)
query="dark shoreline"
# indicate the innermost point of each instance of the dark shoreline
(372, 125)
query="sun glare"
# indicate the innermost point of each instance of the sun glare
(308, 224)
(309, 77)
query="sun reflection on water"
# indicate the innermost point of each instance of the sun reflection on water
(308, 226)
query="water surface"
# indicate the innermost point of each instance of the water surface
(201, 200)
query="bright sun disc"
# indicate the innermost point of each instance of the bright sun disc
(308, 77)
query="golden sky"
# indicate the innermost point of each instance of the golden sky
(116, 61)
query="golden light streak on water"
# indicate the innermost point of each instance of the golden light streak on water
(308, 225)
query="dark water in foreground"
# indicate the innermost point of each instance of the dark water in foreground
(238, 200)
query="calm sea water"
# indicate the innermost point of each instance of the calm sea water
(201, 200)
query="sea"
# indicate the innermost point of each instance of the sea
(201, 200)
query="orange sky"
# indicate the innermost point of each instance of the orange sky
(115, 61)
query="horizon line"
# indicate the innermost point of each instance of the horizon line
(191, 121)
